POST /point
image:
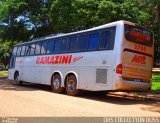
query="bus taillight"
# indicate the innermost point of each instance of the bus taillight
(119, 69)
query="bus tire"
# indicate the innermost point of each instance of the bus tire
(71, 86)
(16, 78)
(56, 84)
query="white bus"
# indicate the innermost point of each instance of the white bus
(113, 57)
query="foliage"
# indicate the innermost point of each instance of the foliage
(35, 18)
(5, 48)
(152, 7)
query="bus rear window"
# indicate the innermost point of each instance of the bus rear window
(139, 35)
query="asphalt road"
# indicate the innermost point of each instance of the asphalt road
(32, 100)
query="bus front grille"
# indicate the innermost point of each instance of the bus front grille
(101, 75)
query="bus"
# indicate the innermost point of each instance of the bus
(117, 56)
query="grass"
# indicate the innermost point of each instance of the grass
(155, 82)
(3, 73)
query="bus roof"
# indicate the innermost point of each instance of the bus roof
(52, 36)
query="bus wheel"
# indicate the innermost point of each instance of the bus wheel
(56, 84)
(71, 86)
(18, 82)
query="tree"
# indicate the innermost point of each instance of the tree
(11, 12)
(25, 19)
(5, 51)
(36, 18)
(2, 51)
(6, 59)
(28, 19)
(153, 23)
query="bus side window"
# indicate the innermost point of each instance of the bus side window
(93, 41)
(82, 43)
(23, 50)
(38, 48)
(50, 47)
(57, 46)
(32, 49)
(111, 40)
(19, 51)
(107, 40)
(73, 44)
(44, 48)
(27, 51)
(103, 38)
(65, 45)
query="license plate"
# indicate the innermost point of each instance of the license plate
(137, 80)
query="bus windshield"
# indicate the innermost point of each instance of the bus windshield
(138, 35)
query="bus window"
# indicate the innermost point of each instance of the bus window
(82, 43)
(27, 51)
(73, 44)
(38, 48)
(138, 35)
(19, 51)
(32, 49)
(14, 51)
(50, 47)
(102, 42)
(44, 48)
(107, 40)
(23, 50)
(110, 40)
(57, 46)
(93, 41)
(65, 45)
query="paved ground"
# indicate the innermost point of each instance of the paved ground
(38, 100)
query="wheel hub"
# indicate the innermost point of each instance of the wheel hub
(56, 84)
(71, 86)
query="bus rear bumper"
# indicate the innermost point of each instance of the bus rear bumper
(124, 85)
